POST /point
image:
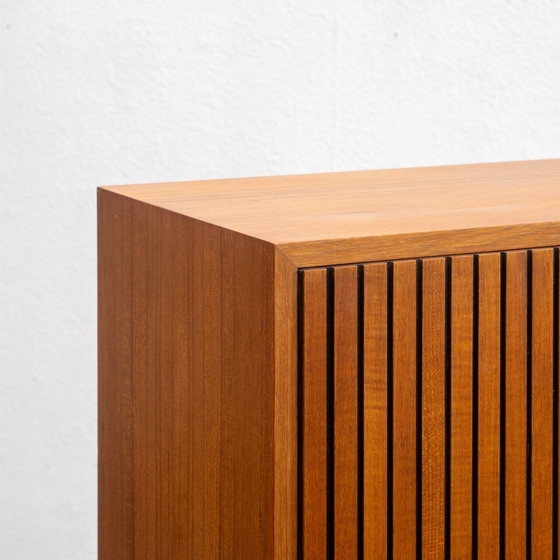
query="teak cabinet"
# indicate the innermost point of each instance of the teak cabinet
(338, 366)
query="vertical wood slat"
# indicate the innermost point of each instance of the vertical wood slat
(516, 409)
(541, 383)
(556, 410)
(314, 400)
(433, 408)
(345, 413)
(404, 408)
(462, 271)
(375, 411)
(489, 408)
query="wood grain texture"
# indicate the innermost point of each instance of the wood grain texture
(489, 408)
(375, 411)
(516, 405)
(404, 410)
(197, 424)
(144, 476)
(345, 413)
(461, 407)
(541, 382)
(335, 218)
(314, 403)
(433, 407)
(255, 404)
(116, 459)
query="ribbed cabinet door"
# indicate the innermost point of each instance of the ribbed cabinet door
(428, 408)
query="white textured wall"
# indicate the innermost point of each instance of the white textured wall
(99, 92)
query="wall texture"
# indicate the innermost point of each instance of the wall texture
(97, 92)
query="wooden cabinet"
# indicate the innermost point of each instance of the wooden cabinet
(336, 366)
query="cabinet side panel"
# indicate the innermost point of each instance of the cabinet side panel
(144, 478)
(176, 351)
(247, 398)
(186, 388)
(209, 261)
(115, 450)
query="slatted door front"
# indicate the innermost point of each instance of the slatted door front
(428, 408)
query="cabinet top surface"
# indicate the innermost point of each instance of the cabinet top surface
(308, 215)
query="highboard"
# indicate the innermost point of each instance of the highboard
(336, 366)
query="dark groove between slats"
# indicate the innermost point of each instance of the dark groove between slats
(529, 400)
(419, 324)
(475, 363)
(555, 375)
(390, 435)
(360, 411)
(448, 381)
(503, 404)
(330, 414)
(300, 409)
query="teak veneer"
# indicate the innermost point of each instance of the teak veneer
(336, 366)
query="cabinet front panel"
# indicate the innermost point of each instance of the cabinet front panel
(428, 408)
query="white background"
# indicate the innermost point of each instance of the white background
(99, 92)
